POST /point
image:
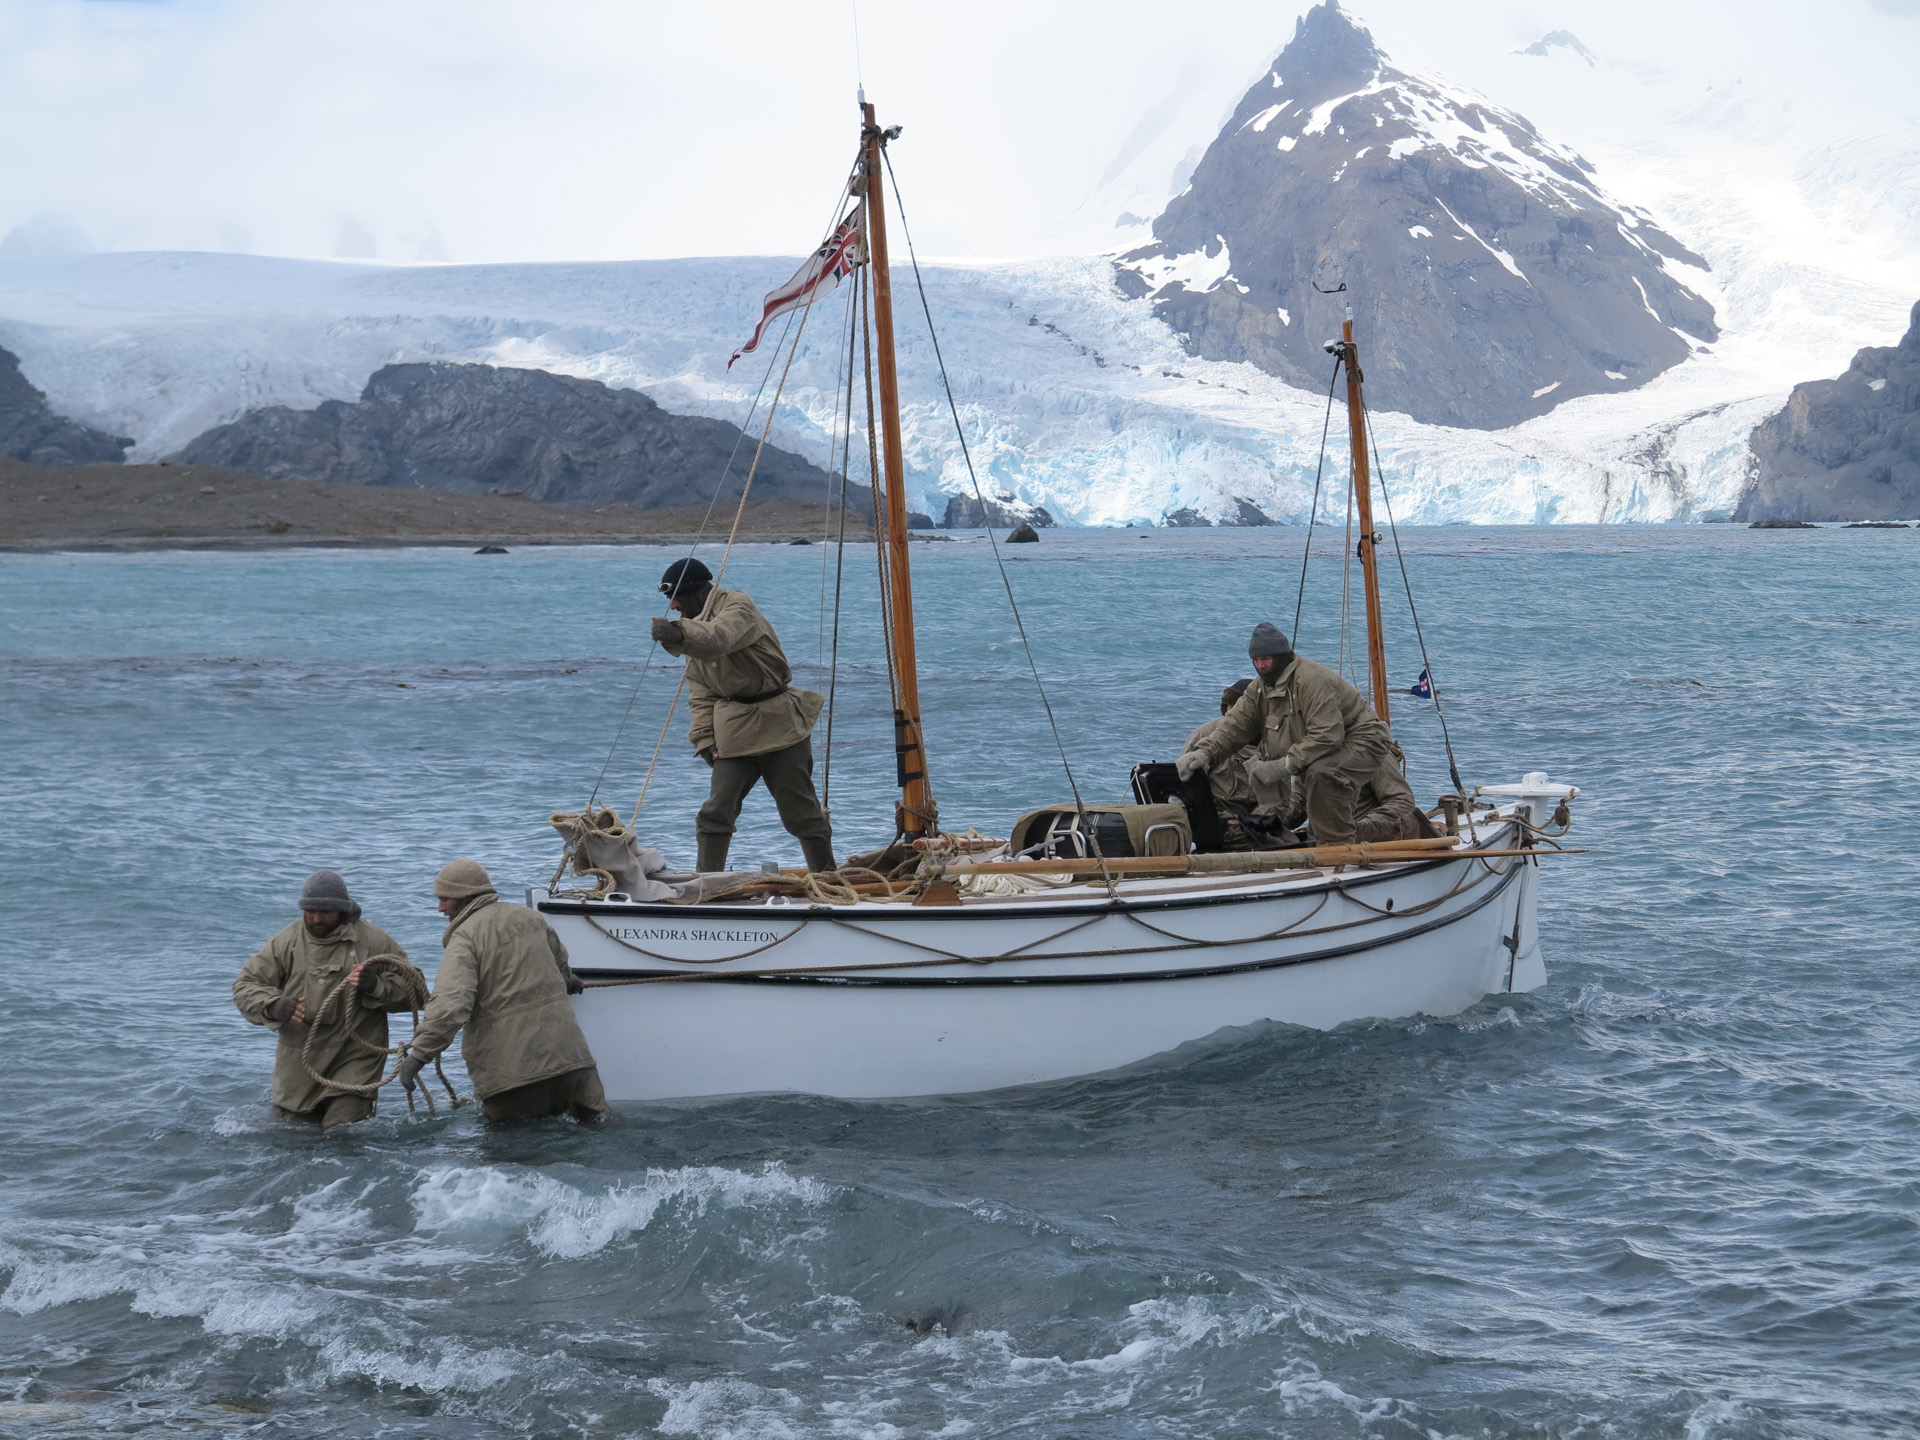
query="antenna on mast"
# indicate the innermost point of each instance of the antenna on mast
(859, 66)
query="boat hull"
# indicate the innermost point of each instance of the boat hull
(1046, 991)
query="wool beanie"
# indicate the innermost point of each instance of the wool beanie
(685, 577)
(326, 891)
(1268, 639)
(1230, 696)
(462, 880)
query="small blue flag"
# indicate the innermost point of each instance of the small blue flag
(1423, 687)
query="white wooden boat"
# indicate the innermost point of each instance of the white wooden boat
(938, 992)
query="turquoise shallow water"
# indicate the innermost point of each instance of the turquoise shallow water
(1675, 1193)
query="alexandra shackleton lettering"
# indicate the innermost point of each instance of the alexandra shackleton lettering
(728, 937)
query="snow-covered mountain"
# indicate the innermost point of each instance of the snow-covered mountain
(1075, 396)
(1492, 275)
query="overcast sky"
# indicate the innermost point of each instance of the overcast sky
(475, 130)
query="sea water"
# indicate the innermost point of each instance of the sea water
(1674, 1193)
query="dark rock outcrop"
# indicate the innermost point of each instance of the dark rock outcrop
(1185, 518)
(964, 512)
(1247, 513)
(1489, 276)
(480, 429)
(31, 432)
(1844, 449)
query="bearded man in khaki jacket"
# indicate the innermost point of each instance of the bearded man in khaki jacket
(749, 723)
(1314, 729)
(504, 981)
(283, 986)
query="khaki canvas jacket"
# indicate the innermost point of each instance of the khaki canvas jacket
(1228, 779)
(295, 963)
(732, 655)
(502, 982)
(1304, 713)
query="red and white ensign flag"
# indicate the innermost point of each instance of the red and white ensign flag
(816, 279)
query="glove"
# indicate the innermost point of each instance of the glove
(410, 1069)
(1269, 772)
(575, 985)
(280, 1009)
(665, 629)
(1194, 762)
(710, 754)
(368, 983)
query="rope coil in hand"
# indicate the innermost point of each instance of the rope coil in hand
(417, 995)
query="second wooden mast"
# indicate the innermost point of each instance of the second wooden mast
(1363, 504)
(917, 816)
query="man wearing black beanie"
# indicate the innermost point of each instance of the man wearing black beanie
(749, 723)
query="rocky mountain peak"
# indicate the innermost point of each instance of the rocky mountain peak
(1490, 276)
(1846, 448)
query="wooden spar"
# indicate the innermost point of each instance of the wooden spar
(916, 817)
(1369, 537)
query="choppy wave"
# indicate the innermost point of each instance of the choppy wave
(1672, 1195)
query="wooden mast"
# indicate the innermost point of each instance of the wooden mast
(1363, 499)
(916, 816)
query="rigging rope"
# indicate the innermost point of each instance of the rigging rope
(733, 534)
(966, 454)
(1453, 765)
(1313, 511)
(854, 302)
(698, 535)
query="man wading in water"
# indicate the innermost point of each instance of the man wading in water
(283, 986)
(504, 980)
(749, 723)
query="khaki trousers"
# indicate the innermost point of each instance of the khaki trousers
(572, 1092)
(332, 1111)
(1332, 786)
(788, 775)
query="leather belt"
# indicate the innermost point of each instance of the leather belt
(753, 699)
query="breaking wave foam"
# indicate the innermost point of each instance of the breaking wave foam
(569, 1223)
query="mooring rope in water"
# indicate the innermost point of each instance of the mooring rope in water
(417, 993)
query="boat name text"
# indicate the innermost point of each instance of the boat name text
(726, 937)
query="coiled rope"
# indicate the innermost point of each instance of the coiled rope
(349, 998)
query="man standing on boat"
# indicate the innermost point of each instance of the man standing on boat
(1313, 729)
(504, 980)
(283, 986)
(749, 723)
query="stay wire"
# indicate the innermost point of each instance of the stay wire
(855, 302)
(1453, 765)
(700, 534)
(654, 648)
(838, 442)
(1313, 511)
(926, 307)
(733, 535)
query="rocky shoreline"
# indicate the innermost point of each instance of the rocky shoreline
(200, 507)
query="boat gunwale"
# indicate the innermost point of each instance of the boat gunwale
(828, 977)
(760, 910)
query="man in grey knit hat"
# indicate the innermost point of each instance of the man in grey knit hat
(502, 986)
(1313, 730)
(283, 986)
